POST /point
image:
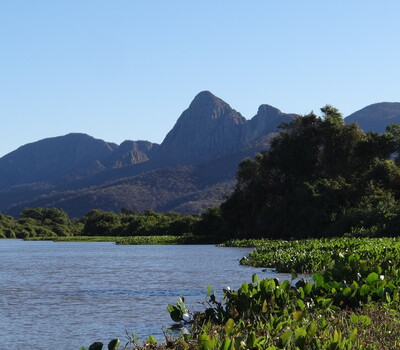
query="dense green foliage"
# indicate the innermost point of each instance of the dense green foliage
(320, 177)
(351, 303)
(38, 222)
(318, 255)
(127, 227)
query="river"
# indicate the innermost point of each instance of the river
(67, 295)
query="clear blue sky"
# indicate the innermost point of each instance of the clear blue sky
(126, 69)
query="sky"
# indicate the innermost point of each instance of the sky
(126, 69)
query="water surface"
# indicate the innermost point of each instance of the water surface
(58, 295)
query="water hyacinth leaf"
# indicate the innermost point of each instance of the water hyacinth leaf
(229, 325)
(114, 344)
(300, 304)
(307, 288)
(285, 285)
(318, 279)
(244, 288)
(175, 313)
(254, 278)
(96, 346)
(364, 289)
(372, 277)
(347, 291)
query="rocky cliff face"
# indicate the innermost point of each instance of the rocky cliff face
(209, 128)
(376, 116)
(266, 121)
(130, 153)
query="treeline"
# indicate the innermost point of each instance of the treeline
(319, 178)
(52, 222)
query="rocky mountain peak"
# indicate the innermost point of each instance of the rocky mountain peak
(207, 129)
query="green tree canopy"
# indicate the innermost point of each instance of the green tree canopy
(315, 170)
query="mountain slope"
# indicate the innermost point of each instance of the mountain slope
(68, 157)
(376, 117)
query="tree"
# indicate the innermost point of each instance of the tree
(315, 170)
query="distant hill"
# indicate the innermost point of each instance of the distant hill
(376, 116)
(192, 169)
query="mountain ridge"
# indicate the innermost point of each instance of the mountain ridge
(194, 167)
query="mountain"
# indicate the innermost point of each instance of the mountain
(70, 156)
(193, 168)
(210, 128)
(376, 116)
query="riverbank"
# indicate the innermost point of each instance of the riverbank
(133, 240)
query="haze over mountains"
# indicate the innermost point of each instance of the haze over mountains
(192, 169)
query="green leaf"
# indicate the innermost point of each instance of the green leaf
(347, 291)
(285, 337)
(152, 340)
(353, 318)
(372, 277)
(337, 336)
(208, 290)
(307, 288)
(300, 332)
(254, 278)
(96, 346)
(365, 320)
(229, 326)
(113, 344)
(244, 288)
(225, 344)
(318, 279)
(300, 304)
(326, 302)
(353, 334)
(364, 289)
(251, 340)
(264, 306)
(311, 330)
(300, 335)
(206, 342)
